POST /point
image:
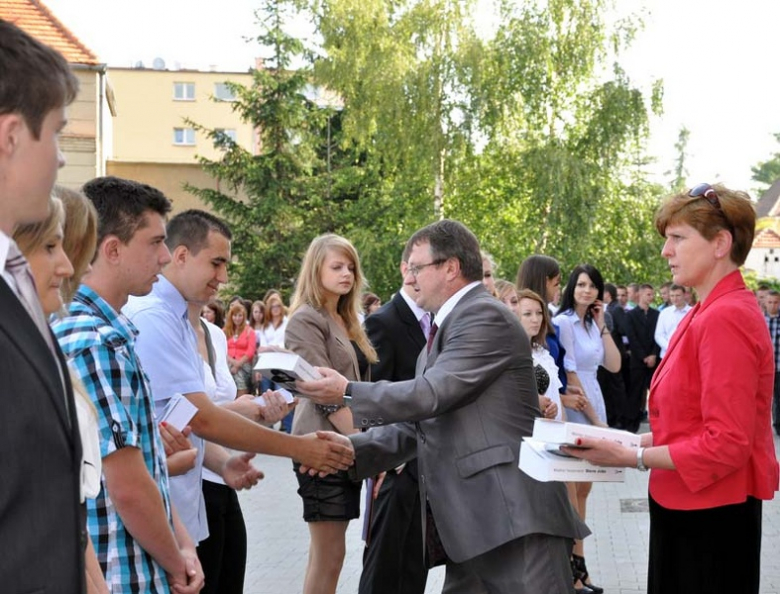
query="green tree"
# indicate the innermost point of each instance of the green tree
(273, 199)
(563, 169)
(680, 170)
(766, 172)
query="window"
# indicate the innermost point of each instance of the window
(184, 136)
(223, 92)
(229, 132)
(184, 91)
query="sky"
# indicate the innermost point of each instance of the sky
(715, 58)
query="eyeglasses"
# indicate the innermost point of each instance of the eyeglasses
(415, 270)
(707, 192)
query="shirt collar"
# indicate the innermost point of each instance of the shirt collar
(450, 304)
(164, 290)
(418, 311)
(86, 300)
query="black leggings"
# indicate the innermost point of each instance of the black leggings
(223, 553)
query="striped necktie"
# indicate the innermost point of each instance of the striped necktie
(17, 267)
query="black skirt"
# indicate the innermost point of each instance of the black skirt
(705, 551)
(335, 498)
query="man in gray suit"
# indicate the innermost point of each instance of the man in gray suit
(464, 416)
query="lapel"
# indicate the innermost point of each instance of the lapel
(679, 332)
(338, 333)
(23, 332)
(407, 318)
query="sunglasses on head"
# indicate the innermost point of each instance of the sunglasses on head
(707, 192)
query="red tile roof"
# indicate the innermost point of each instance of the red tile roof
(767, 238)
(38, 21)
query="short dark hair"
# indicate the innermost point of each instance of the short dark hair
(612, 290)
(121, 205)
(567, 299)
(644, 286)
(191, 228)
(452, 239)
(34, 78)
(675, 287)
(773, 293)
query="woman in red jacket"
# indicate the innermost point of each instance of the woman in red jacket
(710, 448)
(241, 341)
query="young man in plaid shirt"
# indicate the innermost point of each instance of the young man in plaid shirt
(141, 545)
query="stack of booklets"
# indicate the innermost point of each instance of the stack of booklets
(541, 457)
(284, 367)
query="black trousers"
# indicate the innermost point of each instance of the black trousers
(640, 383)
(393, 560)
(705, 551)
(223, 553)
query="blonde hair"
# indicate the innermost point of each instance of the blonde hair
(504, 288)
(79, 235)
(309, 290)
(273, 298)
(32, 236)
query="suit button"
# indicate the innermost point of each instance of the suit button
(380, 421)
(364, 422)
(372, 422)
(422, 437)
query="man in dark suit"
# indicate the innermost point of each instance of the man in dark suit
(612, 385)
(393, 558)
(464, 415)
(41, 519)
(640, 327)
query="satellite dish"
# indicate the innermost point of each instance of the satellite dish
(139, 65)
(158, 64)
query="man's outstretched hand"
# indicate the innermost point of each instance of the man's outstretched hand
(339, 444)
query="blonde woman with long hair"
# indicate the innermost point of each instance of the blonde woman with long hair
(324, 328)
(43, 244)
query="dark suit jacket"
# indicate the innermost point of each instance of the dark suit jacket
(398, 339)
(641, 334)
(41, 519)
(464, 416)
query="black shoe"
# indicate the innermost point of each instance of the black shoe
(581, 572)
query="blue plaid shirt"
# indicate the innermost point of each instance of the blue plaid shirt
(100, 342)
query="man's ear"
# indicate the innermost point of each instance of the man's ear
(109, 249)
(11, 127)
(179, 254)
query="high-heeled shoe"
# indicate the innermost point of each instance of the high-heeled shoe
(579, 587)
(581, 571)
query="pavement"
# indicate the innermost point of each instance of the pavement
(616, 552)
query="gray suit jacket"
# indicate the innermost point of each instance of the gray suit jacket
(464, 416)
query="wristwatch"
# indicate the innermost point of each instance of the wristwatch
(347, 396)
(640, 460)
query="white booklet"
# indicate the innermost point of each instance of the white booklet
(178, 412)
(286, 394)
(283, 368)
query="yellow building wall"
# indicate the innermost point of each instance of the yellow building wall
(78, 141)
(169, 178)
(147, 113)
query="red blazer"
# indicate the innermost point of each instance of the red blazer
(245, 345)
(711, 403)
